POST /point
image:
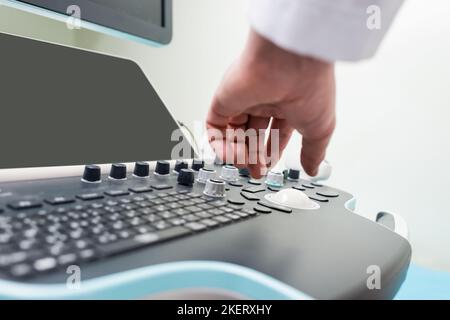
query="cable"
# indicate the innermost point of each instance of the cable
(182, 125)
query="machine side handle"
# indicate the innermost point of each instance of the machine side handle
(394, 222)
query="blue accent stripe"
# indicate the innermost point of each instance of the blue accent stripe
(147, 281)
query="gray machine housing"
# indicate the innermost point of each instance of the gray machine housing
(325, 253)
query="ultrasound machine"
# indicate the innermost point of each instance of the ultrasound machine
(87, 180)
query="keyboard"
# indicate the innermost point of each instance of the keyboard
(39, 235)
(97, 225)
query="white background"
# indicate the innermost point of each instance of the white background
(391, 148)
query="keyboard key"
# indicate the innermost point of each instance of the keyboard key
(45, 264)
(117, 193)
(216, 212)
(9, 259)
(275, 207)
(235, 184)
(161, 186)
(242, 214)
(249, 196)
(191, 217)
(67, 258)
(161, 225)
(21, 270)
(221, 219)
(90, 196)
(236, 201)
(299, 188)
(218, 203)
(203, 214)
(25, 204)
(140, 189)
(250, 212)
(308, 186)
(195, 226)
(181, 211)
(87, 254)
(177, 221)
(59, 200)
(328, 194)
(232, 216)
(319, 199)
(262, 210)
(209, 223)
(255, 189)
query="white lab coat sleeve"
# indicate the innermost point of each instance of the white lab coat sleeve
(347, 30)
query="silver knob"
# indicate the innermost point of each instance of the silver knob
(204, 174)
(275, 179)
(215, 188)
(229, 173)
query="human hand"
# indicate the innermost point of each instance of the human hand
(268, 82)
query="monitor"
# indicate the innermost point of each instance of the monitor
(64, 106)
(145, 19)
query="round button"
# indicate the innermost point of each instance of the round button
(229, 173)
(118, 171)
(204, 174)
(141, 169)
(186, 177)
(275, 179)
(92, 174)
(214, 188)
(162, 168)
(293, 174)
(197, 164)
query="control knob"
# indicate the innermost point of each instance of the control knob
(204, 174)
(162, 168)
(197, 164)
(180, 164)
(274, 179)
(92, 174)
(230, 173)
(215, 188)
(293, 174)
(141, 169)
(186, 177)
(118, 171)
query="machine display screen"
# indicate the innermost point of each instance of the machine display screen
(67, 106)
(148, 19)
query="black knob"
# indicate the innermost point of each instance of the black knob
(141, 169)
(118, 171)
(92, 173)
(293, 174)
(186, 177)
(244, 172)
(197, 164)
(180, 164)
(162, 167)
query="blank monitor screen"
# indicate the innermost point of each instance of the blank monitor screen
(148, 19)
(66, 106)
